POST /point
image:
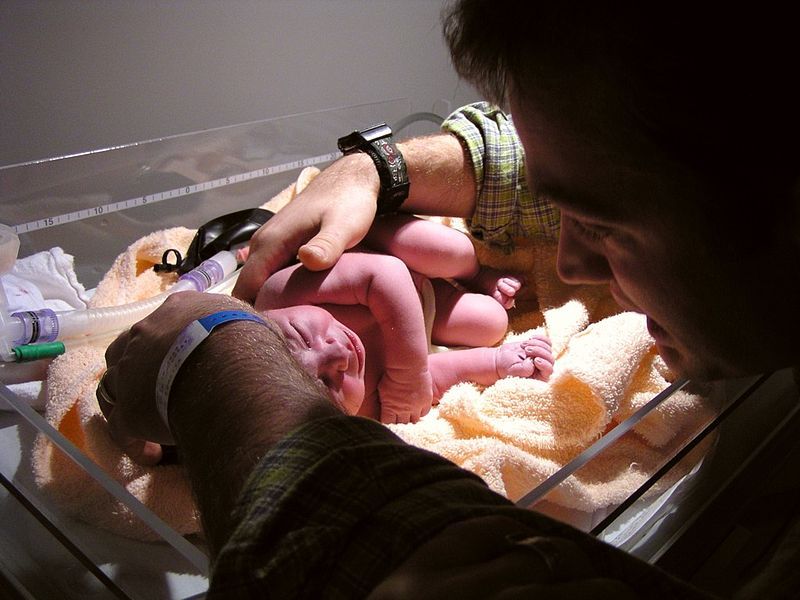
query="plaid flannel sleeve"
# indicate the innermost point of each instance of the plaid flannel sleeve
(335, 507)
(339, 504)
(505, 207)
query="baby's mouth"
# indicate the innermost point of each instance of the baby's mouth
(356, 347)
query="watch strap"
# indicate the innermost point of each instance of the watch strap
(376, 142)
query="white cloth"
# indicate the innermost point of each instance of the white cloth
(46, 279)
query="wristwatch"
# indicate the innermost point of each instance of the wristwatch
(377, 143)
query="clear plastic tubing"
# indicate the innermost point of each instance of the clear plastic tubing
(45, 325)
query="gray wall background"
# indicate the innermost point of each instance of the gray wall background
(81, 75)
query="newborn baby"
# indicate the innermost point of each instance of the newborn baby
(364, 327)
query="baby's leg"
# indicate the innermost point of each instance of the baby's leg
(497, 284)
(465, 318)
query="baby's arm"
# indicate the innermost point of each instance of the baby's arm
(384, 285)
(427, 247)
(531, 358)
(438, 251)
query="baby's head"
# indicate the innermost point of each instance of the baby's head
(326, 349)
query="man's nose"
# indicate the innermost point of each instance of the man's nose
(580, 260)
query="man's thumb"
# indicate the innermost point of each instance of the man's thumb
(321, 252)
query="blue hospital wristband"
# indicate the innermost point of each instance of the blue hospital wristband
(187, 340)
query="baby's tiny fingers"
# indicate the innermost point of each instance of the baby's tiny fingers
(538, 350)
(537, 340)
(544, 367)
(505, 300)
(525, 368)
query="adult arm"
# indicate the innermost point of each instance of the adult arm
(237, 394)
(337, 208)
(475, 170)
(385, 286)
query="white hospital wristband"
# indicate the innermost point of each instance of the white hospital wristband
(184, 345)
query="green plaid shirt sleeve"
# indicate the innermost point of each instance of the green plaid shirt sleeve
(335, 507)
(505, 208)
(340, 503)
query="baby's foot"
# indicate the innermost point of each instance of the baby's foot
(498, 285)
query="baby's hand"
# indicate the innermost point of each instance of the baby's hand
(530, 358)
(405, 397)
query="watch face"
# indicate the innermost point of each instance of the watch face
(376, 142)
(376, 133)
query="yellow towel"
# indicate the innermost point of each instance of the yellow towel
(517, 432)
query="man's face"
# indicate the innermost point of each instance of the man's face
(631, 218)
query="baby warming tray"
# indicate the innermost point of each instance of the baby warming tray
(93, 205)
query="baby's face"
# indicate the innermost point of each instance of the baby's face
(326, 349)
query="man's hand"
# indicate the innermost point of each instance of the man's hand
(331, 215)
(133, 361)
(337, 208)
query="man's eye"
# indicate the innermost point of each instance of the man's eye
(595, 233)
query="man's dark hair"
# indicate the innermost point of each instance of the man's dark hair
(712, 85)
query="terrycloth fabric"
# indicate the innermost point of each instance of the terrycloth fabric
(512, 434)
(517, 432)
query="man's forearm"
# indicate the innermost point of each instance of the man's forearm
(441, 177)
(232, 401)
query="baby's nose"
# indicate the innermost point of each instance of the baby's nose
(335, 356)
